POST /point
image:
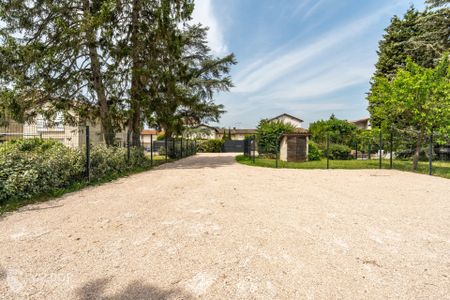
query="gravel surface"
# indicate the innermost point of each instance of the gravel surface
(207, 227)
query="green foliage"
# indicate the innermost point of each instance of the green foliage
(313, 151)
(339, 152)
(120, 62)
(338, 131)
(113, 161)
(161, 136)
(417, 99)
(210, 146)
(31, 167)
(422, 36)
(268, 135)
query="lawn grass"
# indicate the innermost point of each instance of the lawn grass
(441, 169)
(13, 205)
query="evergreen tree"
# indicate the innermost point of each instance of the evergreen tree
(54, 58)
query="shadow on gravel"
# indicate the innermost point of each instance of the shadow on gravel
(2, 273)
(201, 162)
(136, 290)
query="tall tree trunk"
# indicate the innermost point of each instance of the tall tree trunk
(136, 87)
(97, 78)
(419, 143)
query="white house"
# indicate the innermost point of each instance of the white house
(288, 119)
(363, 124)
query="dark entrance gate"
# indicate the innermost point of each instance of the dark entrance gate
(233, 146)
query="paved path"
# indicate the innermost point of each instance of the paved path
(206, 227)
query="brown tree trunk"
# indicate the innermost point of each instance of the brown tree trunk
(417, 151)
(97, 80)
(136, 87)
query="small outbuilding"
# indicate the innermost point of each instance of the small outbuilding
(294, 146)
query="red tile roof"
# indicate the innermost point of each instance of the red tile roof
(150, 132)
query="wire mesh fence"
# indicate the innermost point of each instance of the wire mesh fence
(405, 150)
(101, 159)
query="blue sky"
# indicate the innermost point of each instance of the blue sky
(308, 58)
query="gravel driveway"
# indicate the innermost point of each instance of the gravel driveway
(207, 227)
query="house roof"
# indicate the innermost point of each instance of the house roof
(149, 132)
(286, 115)
(360, 121)
(207, 126)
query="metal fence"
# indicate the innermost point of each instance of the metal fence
(87, 138)
(374, 149)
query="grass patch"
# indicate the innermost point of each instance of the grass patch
(441, 169)
(13, 205)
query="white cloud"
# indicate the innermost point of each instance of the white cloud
(263, 73)
(204, 13)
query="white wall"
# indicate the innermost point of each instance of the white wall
(289, 120)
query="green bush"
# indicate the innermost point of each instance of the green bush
(30, 167)
(210, 146)
(33, 167)
(112, 161)
(339, 152)
(313, 151)
(268, 136)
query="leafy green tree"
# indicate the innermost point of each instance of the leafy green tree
(338, 131)
(268, 134)
(417, 98)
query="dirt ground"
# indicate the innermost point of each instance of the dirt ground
(207, 227)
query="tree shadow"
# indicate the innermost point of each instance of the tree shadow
(135, 290)
(3, 273)
(201, 162)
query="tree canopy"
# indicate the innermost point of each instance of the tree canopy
(124, 63)
(417, 98)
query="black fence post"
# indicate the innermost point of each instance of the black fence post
(128, 145)
(277, 151)
(166, 145)
(88, 154)
(151, 150)
(328, 151)
(174, 149)
(356, 150)
(195, 146)
(430, 159)
(369, 149)
(181, 147)
(380, 146)
(391, 150)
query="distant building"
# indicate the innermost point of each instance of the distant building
(364, 124)
(236, 133)
(288, 119)
(147, 135)
(202, 132)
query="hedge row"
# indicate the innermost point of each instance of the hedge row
(33, 167)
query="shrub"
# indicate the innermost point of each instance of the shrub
(268, 135)
(161, 136)
(339, 152)
(32, 166)
(210, 146)
(313, 151)
(112, 161)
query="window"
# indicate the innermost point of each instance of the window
(58, 123)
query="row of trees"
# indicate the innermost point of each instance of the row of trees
(125, 63)
(410, 88)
